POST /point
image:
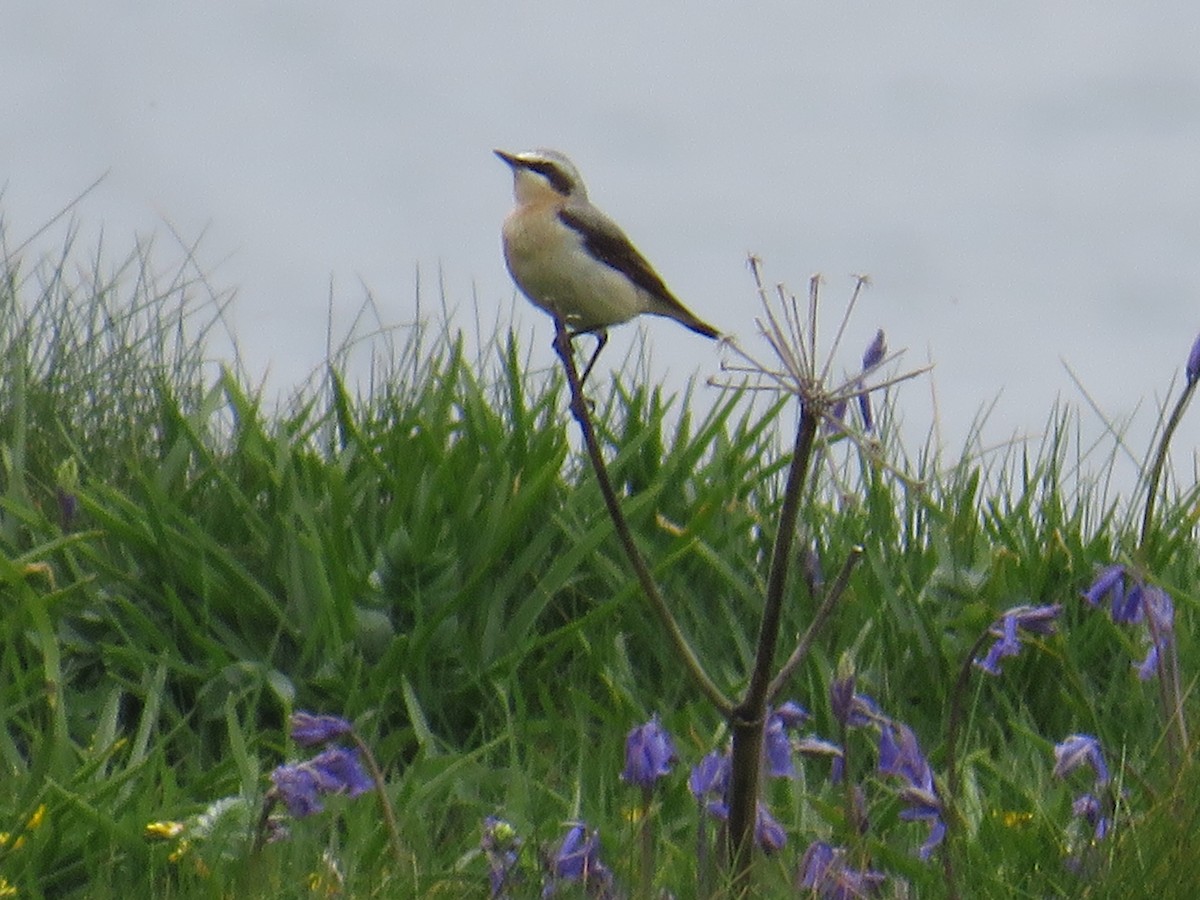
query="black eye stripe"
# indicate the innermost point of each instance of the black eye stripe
(553, 174)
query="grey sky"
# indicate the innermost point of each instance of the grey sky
(1020, 181)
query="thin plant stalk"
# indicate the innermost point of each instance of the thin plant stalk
(747, 722)
(830, 600)
(1168, 664)
(646, 839)
(385, 803)
(1160, 457)
(580, 410)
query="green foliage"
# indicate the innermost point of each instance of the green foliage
(181, 567)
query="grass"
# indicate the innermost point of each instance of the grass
(184, 565)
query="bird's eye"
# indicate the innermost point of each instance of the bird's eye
(553, 174)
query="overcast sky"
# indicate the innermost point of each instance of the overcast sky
(1020, 181)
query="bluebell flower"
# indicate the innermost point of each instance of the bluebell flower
(649, 752)
(340, 772)
(1089, 808)
(768, 833)
(333, 771)
(709, 784)
(1095, 806)
(841, 696)
(577, 861)
(825, 872)
(862, 711)
(1080, 750)
(850, 708)
(864, 407)
(502, 846)
(1039, 620)
(816, 747)
(308, 730)
(900, 756)
(875, 352)
(1193, 363)
(1127, 605)
(777, 746)
(1134, 604)
(297, 786)
(836, 419)
(1160, 625)
(1110, 579)
(872, 357)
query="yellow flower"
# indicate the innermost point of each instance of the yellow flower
(6, 888)
(1013, 819)
(33, 822)
(163, 831)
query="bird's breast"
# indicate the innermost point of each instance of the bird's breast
(554, 270)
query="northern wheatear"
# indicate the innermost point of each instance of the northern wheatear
(573, 261)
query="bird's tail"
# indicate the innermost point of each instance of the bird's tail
(697, 325)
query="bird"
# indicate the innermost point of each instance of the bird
(572, 260)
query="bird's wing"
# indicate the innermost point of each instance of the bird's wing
(608, 243)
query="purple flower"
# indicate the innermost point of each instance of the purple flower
(502, 847)
(819, 748)
(297, 786)
(852, 709)
(823, 870)
(777, 746)
(709, 782)
(340, 772)
(768, 833)
(1111, 578)
(1089, 808)
(1160, 623)
(308, 730)
(841, 697)
(872, 357)
(865, 711)
(900, 755)
(937, 834)
(835, 421)
(864, 407)
(1032, 619)
(1127, 605)
(1193, 363)
(333, 771)
(875, 352)
(649, 753)
(1139, 603)
(577, 860)
(1080, 750)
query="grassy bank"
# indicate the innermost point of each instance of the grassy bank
(183, 566)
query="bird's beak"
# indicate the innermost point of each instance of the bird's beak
(510, 158)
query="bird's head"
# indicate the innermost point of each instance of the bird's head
(543, 174)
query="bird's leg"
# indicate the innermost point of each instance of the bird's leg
(601, 340)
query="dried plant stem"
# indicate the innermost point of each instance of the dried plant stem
(1168, 664)
(832, 596)
(747, 721)
(385, 804)
(580, 410)
(1160, 457)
